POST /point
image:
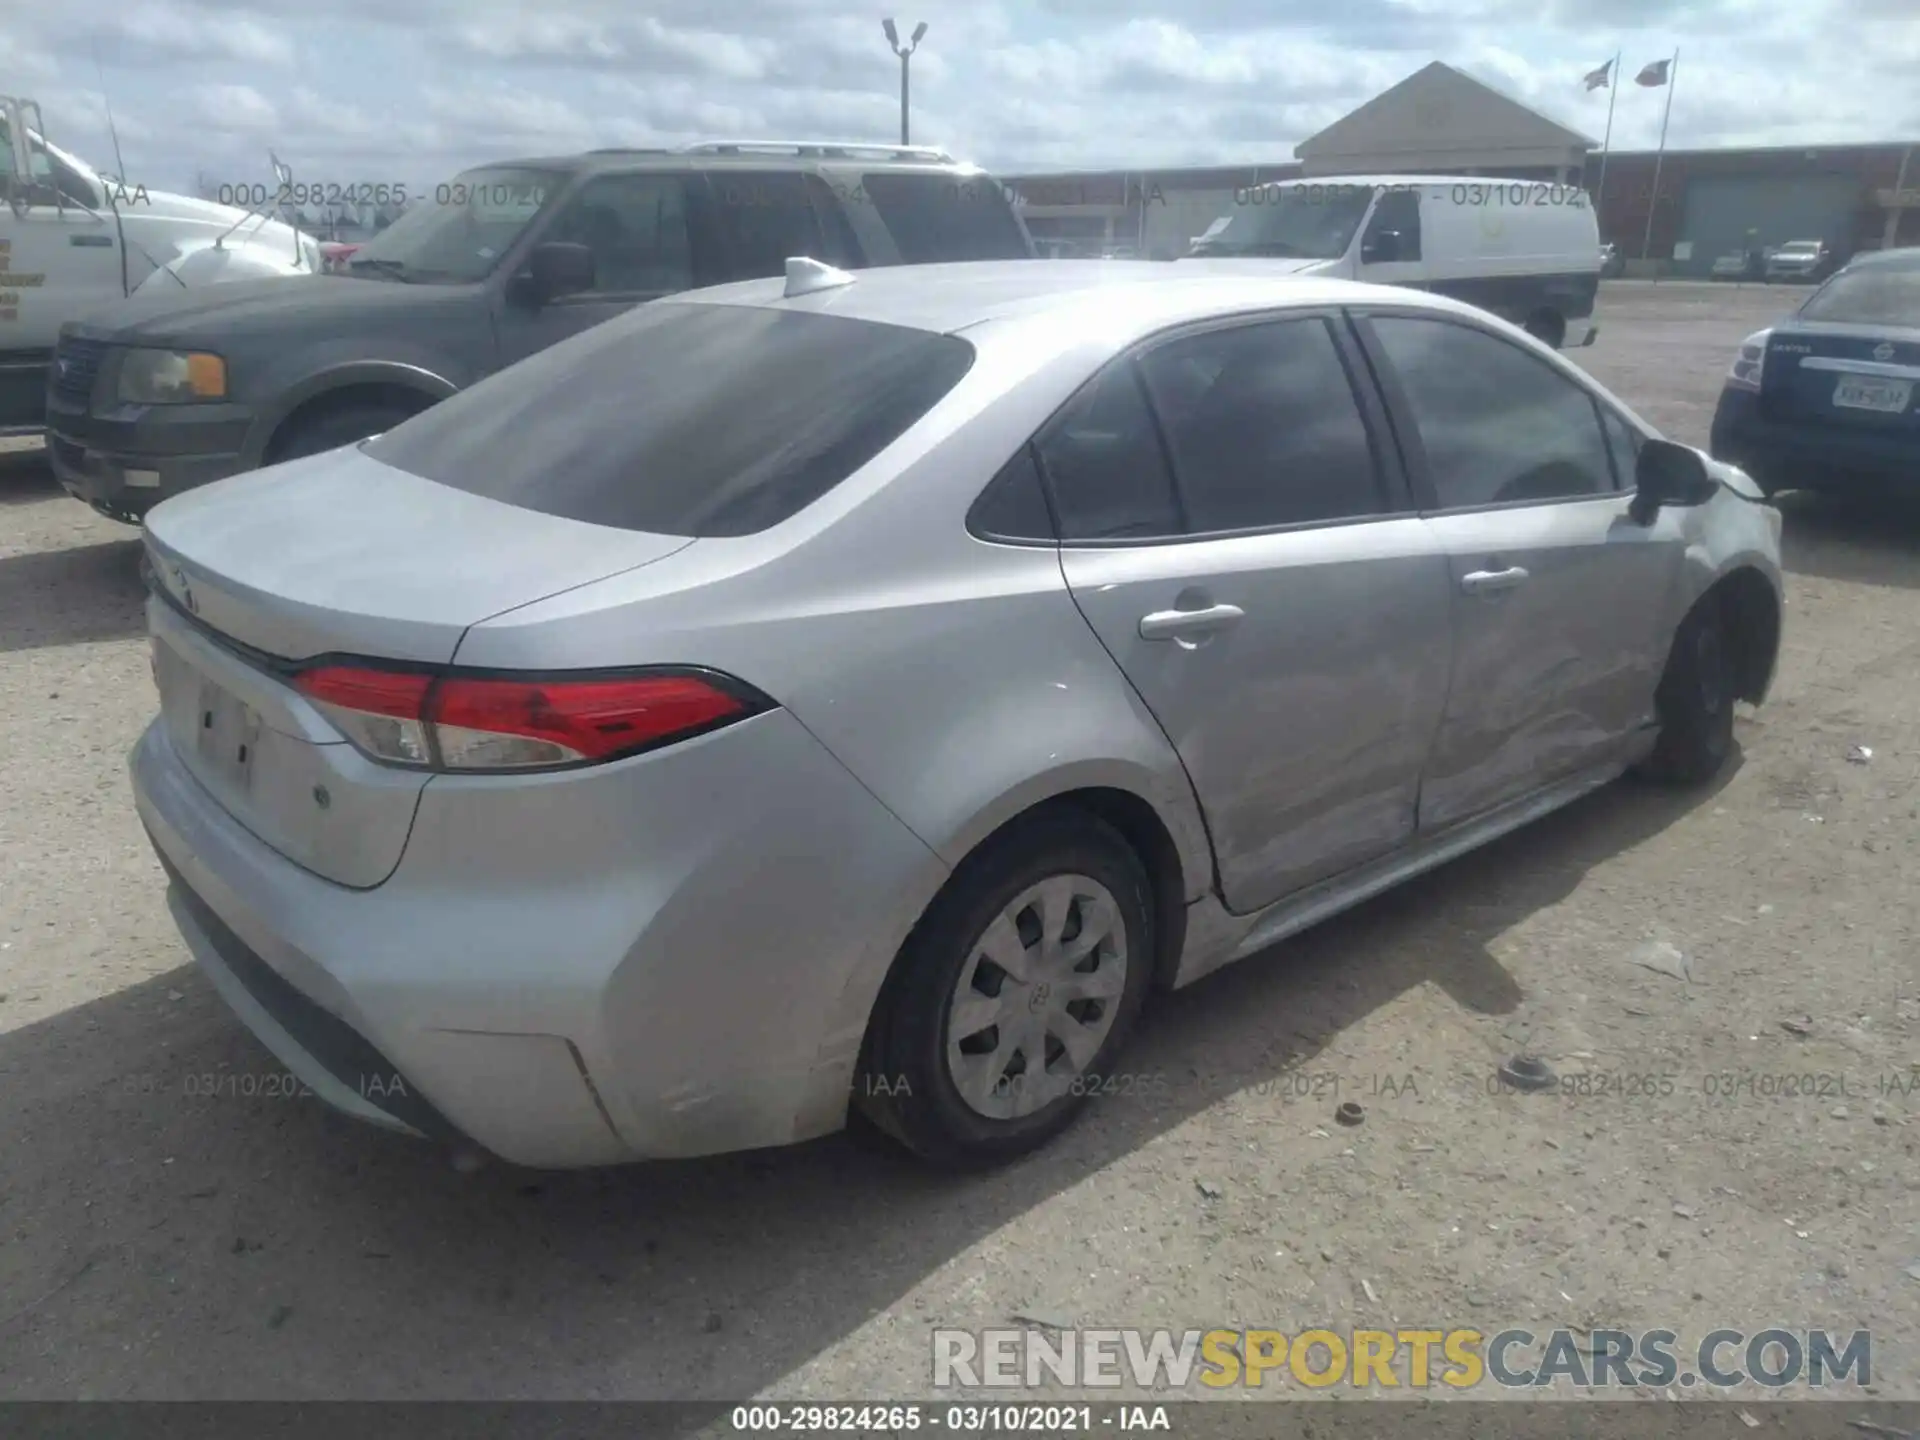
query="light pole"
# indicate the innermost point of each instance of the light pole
(905, 52)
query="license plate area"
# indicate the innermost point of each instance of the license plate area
(227, 737)
(1870, 392)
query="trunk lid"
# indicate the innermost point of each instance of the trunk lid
(334, 555)
(1852, 377)
(340, 553)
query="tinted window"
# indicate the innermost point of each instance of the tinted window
(1399, 212)
(1871, 295)
(636, 226)
(941, 217)
(1103, 458)
(684, 419)
(1272, 437)
(1498, 425)
(1623, 441)
(764, 218)
(842, 248)
(1013, 506)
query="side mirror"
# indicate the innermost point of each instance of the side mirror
(1665, 474)
(1380, 248)
(557, 268)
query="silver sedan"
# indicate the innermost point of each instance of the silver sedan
(862, 695)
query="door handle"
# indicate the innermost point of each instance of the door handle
(1479, 582)
(1178, 624)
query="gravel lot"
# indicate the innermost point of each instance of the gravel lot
(160, 1242)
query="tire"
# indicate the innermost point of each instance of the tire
(916, 1056)
(1695, 700)
(331, 429)
(1548, 327)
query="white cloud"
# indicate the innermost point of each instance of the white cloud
(380, 90)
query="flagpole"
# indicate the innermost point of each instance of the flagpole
(1606, 144)
(1653, 201)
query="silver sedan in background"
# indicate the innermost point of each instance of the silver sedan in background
(859, 695)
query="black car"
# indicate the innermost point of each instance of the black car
(1826, 399)
(164, 392)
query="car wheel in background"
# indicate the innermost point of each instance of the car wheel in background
(331, 429)
(1014, 993)
(1549, 327)
(1695, 699)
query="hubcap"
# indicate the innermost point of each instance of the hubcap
(1037, 997)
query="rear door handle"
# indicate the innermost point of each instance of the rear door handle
(1479, 582)
(1180, 624)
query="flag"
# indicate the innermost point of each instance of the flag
(1597, 79)
(1653, 75)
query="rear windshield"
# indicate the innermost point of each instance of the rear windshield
(944, 217)
(1871, 295)
(684, 419)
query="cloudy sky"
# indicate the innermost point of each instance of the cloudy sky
(411, 90)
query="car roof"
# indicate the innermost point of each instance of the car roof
(954, 297)
(623, 162)
(1906, 257)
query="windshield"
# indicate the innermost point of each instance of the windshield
(1800, 247)
(459, 232)
(1871, 295)
(1304, 222)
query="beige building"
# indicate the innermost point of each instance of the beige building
(1440, 121)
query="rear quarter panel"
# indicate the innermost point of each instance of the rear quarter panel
(955, 679)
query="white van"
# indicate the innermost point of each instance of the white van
(1526, 250)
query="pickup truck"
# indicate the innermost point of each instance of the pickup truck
(172, 391)
(73, 241)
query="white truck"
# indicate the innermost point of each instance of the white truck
(73, 241)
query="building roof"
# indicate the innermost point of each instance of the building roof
(1440, 107)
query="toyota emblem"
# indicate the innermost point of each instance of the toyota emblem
(1883, 351)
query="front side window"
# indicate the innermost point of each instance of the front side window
(1623, 442)
(684, 419)
(1393, 234)
(1263, 426)
(764, 217)
(1498, 425)
(636, 227)
(460, 231)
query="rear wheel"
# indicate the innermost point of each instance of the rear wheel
(1013, 995)
(1695, 700)
(1549, 327)
(331, 429)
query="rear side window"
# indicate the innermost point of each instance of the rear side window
(763, 218)
(945, 217)
(1263, 426)
(1103, 457)
(678, 419)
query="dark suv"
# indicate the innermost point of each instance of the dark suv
(165, 392)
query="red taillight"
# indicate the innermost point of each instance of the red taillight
(463, 722)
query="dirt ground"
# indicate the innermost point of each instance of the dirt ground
(158, 1241)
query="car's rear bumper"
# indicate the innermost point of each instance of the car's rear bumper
(1808, 453)
(645, 960)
